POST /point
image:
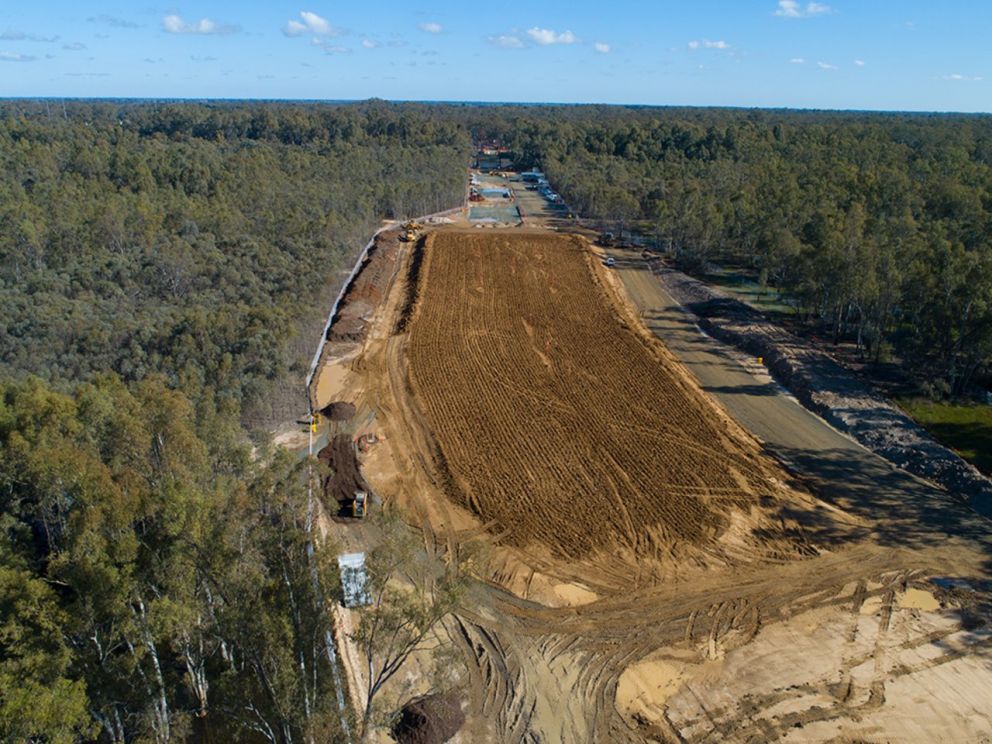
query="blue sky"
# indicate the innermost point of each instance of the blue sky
(850, 54)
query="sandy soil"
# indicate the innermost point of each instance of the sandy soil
(858, 670)
(844, 640)
(332, 377)
(555, 419)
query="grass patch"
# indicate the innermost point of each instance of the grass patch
(743, 284)
(965, 428)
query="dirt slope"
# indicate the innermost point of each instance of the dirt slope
(561, 422)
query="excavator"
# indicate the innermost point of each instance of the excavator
(411, 231)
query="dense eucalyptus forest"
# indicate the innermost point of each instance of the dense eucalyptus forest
(878, 227)
(164, 273)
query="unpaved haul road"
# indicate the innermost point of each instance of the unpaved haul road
(913, 513)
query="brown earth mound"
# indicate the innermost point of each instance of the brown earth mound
(339, 411)
(431, 719)
(559, 420)
(366, 290)
(345, 477)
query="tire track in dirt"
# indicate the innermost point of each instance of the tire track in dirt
(562, 424)
(548, 674)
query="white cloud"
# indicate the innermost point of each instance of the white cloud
(793, 9)
(958, 77)
(328, 47)
(112, 21)
(707, 44)
(369, 44)
(311, 24)
(827, 66)
(16, 57)
(173, 24)
(601, 47)
(315, 23)
(788, 9)
(21, 36)
(431, 28)
(506, 41)
(546, 36)
(859, 63)
(797, 61)
(76, 46)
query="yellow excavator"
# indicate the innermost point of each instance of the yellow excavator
(411, 231)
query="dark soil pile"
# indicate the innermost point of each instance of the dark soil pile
(345, 477)
(430, 719)
(339, 411)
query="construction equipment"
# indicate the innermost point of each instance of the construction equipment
(360, 504)
(411, 231)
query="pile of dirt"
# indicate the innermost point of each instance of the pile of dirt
(366, 290)
(339, 411)
(829, 389)
(429, 719)
(345, 477)
(561, 421)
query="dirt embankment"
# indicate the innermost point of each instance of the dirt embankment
(366, 291)
(349, 326)
(828, 389)
(560, 421)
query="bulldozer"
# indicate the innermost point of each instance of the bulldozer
(411, 231)
(359, 505)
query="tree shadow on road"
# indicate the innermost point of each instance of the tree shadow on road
(903, 511)
(758, 388)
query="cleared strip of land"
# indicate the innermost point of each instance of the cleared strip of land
(558, 419)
